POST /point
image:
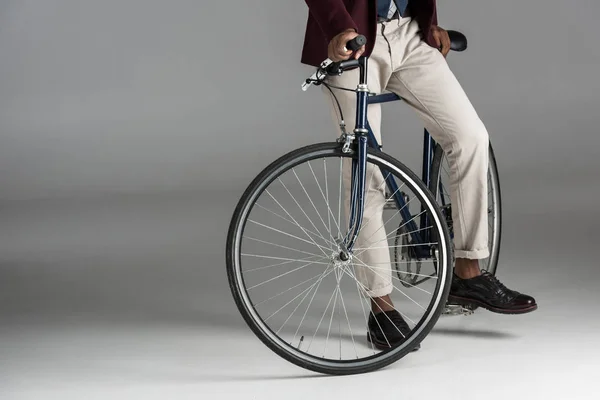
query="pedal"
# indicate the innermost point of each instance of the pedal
(457, 309)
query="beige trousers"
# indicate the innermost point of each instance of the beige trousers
(403, 63)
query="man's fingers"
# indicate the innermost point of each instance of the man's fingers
(436, 37)
(340, 49)
(337, 50)
(442, 40)
(345, 38)
(447, 44)
(337, 53)
(344, 55)
(359, 52)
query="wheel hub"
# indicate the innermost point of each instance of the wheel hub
(342, 257)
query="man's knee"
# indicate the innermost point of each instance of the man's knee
(473, 137)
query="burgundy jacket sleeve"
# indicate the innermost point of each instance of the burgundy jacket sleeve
(332, 16)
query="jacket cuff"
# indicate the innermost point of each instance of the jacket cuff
(334, 21)
(337, 23)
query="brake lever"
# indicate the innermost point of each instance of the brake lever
(319, 74)
(322, 72)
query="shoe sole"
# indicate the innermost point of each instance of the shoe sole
(463, 301)
(384, 345)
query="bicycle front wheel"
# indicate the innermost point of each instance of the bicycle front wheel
(285, 272)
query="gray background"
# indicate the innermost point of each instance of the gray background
(129, 129)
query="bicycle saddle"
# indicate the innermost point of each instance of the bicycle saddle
(458, 41)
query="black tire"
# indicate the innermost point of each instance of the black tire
(493, 178)
(264, 333)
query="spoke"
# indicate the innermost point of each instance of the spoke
(310, 199)
(392, 247)
(317, 283)
(296, 222)
(287, 290)
(284, 274)
(386, 222)
(283, 258)
(379, 187)
(387, 269)
(445, 191)
(299, 206)
(395, 262)
(340, 201)
(289, 302)
(337, 288)
(446, 169)
(308, 306)
(292, 222)
(388, 236)
(329, 213)
(410, 284)
(293, 236)
(323, 316)
(283, 247)
(349, 325)
(362, 295)
(394, 276)
(283, 263)
(391, 306)
(326, 198)
(391, 233)
(386, 200)
(339, 325)
(395, 287)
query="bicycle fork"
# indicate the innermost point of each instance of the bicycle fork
(359, 164)
(357, 190)
(360, 138)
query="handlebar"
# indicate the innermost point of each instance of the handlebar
(338, 67)
(356, 43)
(329, 67)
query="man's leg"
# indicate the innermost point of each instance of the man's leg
(385, 324)
(423, 78)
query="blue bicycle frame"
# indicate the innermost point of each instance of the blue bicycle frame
(365, 138)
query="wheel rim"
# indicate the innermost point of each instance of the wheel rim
(298, 346)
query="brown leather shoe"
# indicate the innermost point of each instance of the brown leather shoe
(488, 292)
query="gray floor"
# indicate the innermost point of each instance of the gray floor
(126, 298)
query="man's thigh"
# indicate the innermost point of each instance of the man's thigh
(427, 84)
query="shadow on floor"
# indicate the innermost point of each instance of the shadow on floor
(476, 333)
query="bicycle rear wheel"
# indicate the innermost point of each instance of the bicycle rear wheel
(288, 281)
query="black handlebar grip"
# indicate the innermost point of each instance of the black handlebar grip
(356, 43)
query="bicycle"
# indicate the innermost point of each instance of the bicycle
(421, 254)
